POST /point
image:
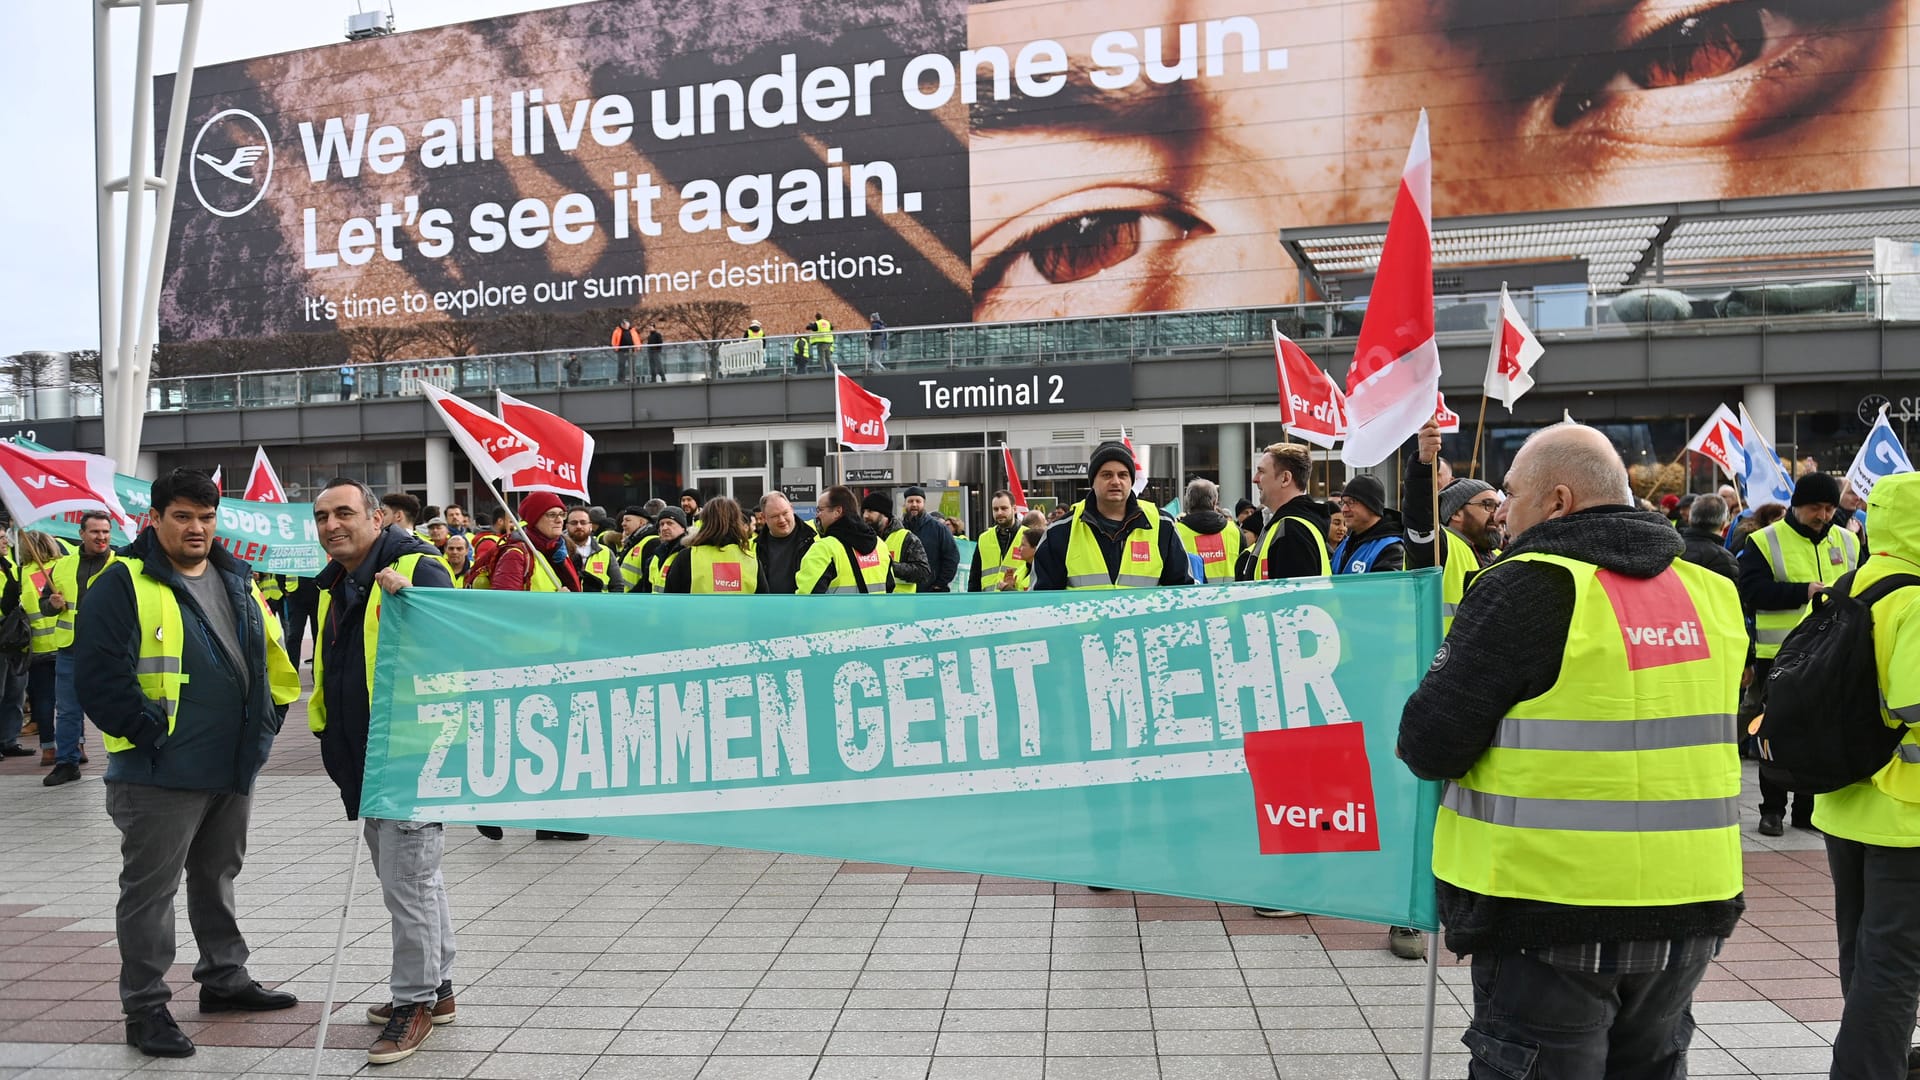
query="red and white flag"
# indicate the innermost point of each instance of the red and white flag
(492, 446)
(1140, 456)
(37, 485)
(563, 452)
(1312, 408)
(216, 475)
(1396, 365)
(263, 485)
(1515, 351)
(1720, 440)
(1448, 419)
(1013, 481)
(860, 416)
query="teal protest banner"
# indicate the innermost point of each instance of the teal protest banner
(966, 548)
(276, 538)
(1087, 737)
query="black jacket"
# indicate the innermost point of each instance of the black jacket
(1506, 646)
(1392, 557)
(943, 555)
(342, 648)
(1007, 535)
(226, 721)
(858, 538)
(1758, 590)
(913, 567)
(1705, 548)
(779, 556)
(1294, 553)
(1050, 558)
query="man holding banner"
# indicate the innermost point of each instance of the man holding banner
(1588, 844)
(369, 562)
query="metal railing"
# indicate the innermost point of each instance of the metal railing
(1553, 312)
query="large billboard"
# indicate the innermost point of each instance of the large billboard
(943, 162)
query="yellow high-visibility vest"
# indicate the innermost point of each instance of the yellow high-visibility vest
(1218, 552)
(66, 582)
(1620, 785)
(370, 634)
(1793, 557)
(730, 569)
(896, 543)
(1273, 531)
(1140, 562)
(829, 556)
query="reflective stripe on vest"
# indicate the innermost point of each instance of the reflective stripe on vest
(896, 543)
(65, 577)
(725, 570)
(1794, 558)
(1619, 786)
(1460, 567)
(1140, 563)
(1273, 531)
(633, 567)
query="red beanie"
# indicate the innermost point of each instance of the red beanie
(534, 506)
(1669, 502)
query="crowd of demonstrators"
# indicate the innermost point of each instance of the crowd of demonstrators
(592, 560)
(717, 557)
(32, 567)
(1468, 508)
(1705, 537)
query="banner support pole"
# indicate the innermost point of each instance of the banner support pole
(339, 951)
(521, 530)
(1479, 429)
(1433, 991)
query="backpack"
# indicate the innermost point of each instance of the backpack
(1823, 728)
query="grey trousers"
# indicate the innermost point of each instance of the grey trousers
(406, 858)
(163, 832)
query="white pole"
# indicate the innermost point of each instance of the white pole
(1433, 990)
(340, 948)
(121, 443)
(103, 203)
(133, 389)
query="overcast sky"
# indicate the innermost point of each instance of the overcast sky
(48, 256)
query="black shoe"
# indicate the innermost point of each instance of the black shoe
(549, 834)
(1771, 825)
(154, 1034)
(491, 832)
(255, 998)
(64, 772)
(14, 749)
(1808, 825)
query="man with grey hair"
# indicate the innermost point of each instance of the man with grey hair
(1212, 539)
(1581, 711)
(1706, 524)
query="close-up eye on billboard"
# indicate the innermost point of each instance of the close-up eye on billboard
(943, 162)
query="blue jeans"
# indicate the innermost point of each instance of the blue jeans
(1533, 1021)
(41, 696)
(69, 723)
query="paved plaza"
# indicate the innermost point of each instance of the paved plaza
(627, 958)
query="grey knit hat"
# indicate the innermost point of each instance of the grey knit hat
(1458, 494)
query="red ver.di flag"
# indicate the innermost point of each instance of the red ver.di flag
(1448, 420)
(1396, 364)
(491, 444)
(565, 451)
(1313, 789)
(263, 484)
(861, 415)
(40, 485)
(1312, 408)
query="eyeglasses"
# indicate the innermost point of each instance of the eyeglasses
(1489, 505)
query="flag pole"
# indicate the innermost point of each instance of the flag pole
(520, 526)
(1479, 429)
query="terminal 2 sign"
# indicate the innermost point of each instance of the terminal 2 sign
(1007, 391)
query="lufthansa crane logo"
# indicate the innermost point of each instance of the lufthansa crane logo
(231, 163)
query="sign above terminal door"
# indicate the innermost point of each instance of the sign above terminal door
(1006, 391)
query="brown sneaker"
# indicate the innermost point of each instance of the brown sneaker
(442, 1007)
(405, 1031)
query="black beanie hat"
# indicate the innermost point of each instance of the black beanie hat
(1109, 451)
(879, 502)
(1816, 487)
(1368, 492)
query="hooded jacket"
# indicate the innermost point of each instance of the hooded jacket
(1206, 522)
(342, 643)
(1294, 553)
(855, 535)
(1506, 647)
(227, 718)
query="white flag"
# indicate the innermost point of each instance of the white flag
(1515, 351)
(1880, 456)
(1765, 478)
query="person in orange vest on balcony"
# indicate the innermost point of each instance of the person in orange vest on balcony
(625, 340)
